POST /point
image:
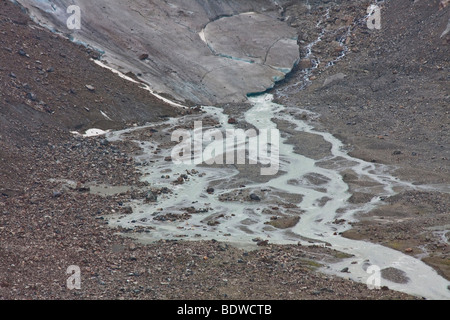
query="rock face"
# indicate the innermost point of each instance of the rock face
(198, 51)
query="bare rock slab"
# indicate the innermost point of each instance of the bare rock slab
(183, 48)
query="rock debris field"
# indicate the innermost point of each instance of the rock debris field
(383, 93)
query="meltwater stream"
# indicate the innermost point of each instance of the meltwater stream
(310, 192)
(229, 215)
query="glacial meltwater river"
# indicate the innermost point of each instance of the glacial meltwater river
(318, 204)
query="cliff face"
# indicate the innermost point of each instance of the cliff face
(161, 43)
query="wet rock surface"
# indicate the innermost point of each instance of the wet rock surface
(394, 275)
(240, 56)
